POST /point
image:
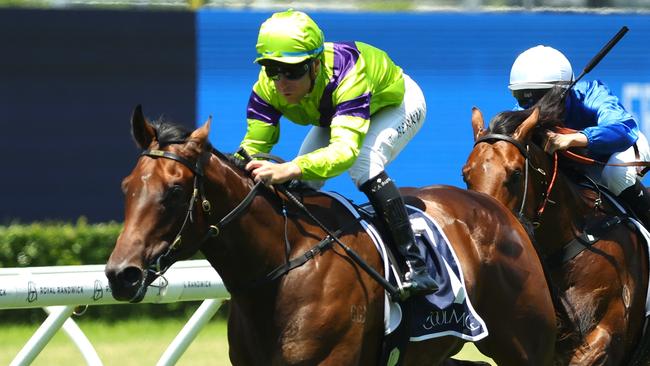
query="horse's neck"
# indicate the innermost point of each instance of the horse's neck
(251, 245)
(564, 216)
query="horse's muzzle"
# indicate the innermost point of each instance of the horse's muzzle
(126, 283)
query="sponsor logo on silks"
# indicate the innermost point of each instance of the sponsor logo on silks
(32, 294)
(98, 292)
(411, 120)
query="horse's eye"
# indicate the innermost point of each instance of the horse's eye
(173, 196)
(515, 177)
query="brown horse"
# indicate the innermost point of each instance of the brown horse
(602, 289)
(328, 311)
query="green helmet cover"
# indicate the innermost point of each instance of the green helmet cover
(289, 37)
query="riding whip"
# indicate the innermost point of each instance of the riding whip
(599, 56)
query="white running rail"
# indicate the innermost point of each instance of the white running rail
(61, 289)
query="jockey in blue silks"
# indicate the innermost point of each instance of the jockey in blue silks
(604, 127)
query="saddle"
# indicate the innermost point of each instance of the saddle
(446, 312)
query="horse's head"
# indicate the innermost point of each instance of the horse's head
(160, 195)
(507, 161)
(498, 163)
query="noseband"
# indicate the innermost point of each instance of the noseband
(162, 263)
(524, 150)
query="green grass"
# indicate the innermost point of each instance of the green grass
(128, 343)
(469, 352)
(133, 343)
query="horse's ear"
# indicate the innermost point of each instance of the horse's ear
(477, 123)
(524, 130)
(200, 135)
(143, 132)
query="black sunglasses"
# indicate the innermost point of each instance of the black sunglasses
(288, 71)
(529, 97)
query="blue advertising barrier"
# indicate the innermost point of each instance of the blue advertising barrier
(69, 79)
(459, 59)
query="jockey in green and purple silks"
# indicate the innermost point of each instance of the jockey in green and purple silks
(364, 110)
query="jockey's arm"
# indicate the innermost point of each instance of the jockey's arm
(346, 137)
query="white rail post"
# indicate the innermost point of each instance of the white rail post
(81, 341)
(31, 349)
(179, 345)
(60, 289)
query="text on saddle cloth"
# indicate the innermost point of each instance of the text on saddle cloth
(448, 311)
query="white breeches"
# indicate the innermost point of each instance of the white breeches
(617, 178)
(391, 129)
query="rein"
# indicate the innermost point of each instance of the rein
(394, 292)
(159, 267)
(163, 263)
(577, 245)
(589, 161)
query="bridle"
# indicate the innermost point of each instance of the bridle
(524, 150)
(162, 263)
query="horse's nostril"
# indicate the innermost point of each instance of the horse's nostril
(130, 276)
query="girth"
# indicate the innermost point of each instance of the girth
(584, 241)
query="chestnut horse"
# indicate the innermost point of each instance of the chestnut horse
(602, 289)
(328, 311)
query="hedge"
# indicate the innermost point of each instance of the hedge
(56, 243)
(80, 243)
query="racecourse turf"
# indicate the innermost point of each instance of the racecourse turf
(132, 343)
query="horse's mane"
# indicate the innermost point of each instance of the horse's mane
(168, 133)
(551, 108)
(232, 159)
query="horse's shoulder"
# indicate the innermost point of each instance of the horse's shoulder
(317, 198)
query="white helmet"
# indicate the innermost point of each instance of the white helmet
(540, 67)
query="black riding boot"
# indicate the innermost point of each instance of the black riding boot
(389, 206)
(638, 199)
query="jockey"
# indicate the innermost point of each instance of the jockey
(604, 127)
(363, 108)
